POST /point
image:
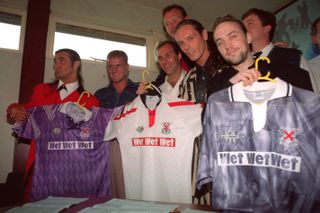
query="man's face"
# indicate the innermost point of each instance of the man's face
(255, 28)
(168, 60)
(64, 69)
(117, 69)
(171, 19)
(232, 43)
(316, 37)
(191, 42)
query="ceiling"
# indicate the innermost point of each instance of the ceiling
(208, 10)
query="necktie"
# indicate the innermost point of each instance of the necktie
(256, 55)
(62, 87)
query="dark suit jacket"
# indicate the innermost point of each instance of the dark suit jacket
(288, 72)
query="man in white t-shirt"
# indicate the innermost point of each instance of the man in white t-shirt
(169, 55)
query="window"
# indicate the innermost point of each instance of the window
(10, 28)
(95, 44)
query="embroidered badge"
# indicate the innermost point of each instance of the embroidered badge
(84, 133)
(230, 136)
(166, 128)
(56, 131)
(288, 136)
(140, 129)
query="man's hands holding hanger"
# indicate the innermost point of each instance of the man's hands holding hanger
(142, 89)
(248, 77)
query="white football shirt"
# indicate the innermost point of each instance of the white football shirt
(156, 148)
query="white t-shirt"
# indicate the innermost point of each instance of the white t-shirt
(170, 91)
(156, 148)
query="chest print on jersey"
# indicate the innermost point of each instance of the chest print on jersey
(288, 136)
(230, 137)
(56, 131)
(166, 129)
(84, 133)
(140, 129)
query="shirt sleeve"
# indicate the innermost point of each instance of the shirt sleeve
(26, 129)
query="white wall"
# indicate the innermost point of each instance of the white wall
(10, 70)
(110, 15)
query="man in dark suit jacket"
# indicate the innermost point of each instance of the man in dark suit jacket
(233, 41)
(261, 25)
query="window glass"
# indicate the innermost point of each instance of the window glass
(10, 28)
(94, 44)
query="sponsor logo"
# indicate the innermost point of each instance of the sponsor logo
(70, 145)
(154, 141)
(166, 128)
(230, 136)
(260, 159)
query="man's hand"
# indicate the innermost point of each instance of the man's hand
(18, 113)
(246, 76)
(141, 89)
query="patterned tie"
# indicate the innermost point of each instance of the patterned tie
(62, 87)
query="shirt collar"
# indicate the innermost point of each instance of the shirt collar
(87, 113)
(266, 50)
(259, 92)
(70, 86)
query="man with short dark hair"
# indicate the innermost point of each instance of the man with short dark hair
(261, 25)
(168, 55)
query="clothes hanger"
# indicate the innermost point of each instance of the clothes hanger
(82, 106)
(267, 76)
(149, 86)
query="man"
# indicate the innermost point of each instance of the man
(233, 42)
(262, 25)
(68, 86)
(208, 75)
(205, 78)
(236, 128)
(168, 55)
(315, 62)
(172, 15)
(121, 90)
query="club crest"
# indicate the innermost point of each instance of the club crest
(166, 129)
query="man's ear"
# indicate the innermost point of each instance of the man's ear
(77, 64)
(204, 34)
(249, 38)
(267, 29)
(314, 40)
(179, 55)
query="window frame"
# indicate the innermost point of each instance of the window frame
(23, 14)
(57, 18)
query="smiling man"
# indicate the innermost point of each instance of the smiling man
(121, 89)
(210, 74)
